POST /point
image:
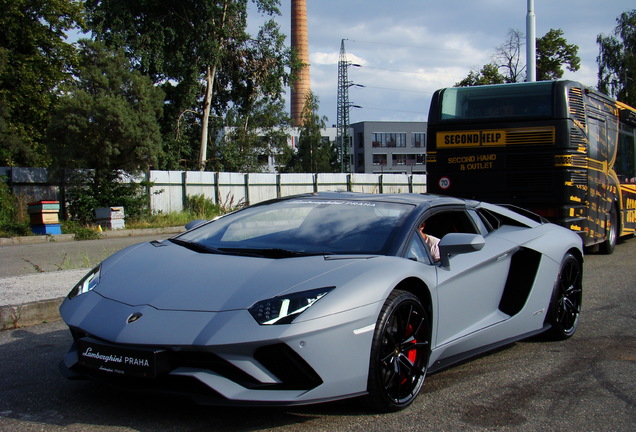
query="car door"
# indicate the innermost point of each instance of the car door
(470, 288)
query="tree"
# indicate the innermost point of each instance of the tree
(508, 57)
(489, 74)
(251, 139)
(107, 124)
(201, 50)
(617, 60)
(553, 52)
(315, 154)
(34, 62)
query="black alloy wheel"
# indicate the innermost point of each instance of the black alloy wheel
(399, 354)
(567, 296)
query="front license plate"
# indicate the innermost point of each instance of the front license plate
(121, 360)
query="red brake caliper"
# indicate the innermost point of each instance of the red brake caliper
(412, 353)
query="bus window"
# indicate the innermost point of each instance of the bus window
(496, 101)
(626, 157)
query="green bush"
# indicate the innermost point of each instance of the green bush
(84, 196)
(201, 207)
(7, 205)
(9, 224)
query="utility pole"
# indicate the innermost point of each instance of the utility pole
(531, 44)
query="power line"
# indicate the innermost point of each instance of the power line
(400, 90)
(395, 70)
(393, 110)
(416, 46)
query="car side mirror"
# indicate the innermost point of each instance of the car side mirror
(194, 223)
(458, 243)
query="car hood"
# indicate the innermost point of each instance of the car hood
(171, 277)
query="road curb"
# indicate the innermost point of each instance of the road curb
(32, 313)
(35, 239)
(39, 239)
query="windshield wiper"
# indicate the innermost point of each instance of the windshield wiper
(197, 247)
(270, 252)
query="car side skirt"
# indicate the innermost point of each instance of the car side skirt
(445, 363)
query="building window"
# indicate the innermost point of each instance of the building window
(415, 159)
(418, 139)
(377, 139)
(379, 159)
(399, 159)
(262, 159)
(388, 139)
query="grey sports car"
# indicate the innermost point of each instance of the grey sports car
(323, 296)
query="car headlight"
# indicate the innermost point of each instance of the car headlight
(284, 309)
(86, 284)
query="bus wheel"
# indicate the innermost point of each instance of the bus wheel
(608, 246)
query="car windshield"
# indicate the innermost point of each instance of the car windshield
(302, 227)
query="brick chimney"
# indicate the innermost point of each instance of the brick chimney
(300, 43)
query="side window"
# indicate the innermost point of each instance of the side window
(416, 251)
(425, 244)
(451, 221)
(483, 221)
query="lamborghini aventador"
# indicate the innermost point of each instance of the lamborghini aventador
(323, 296)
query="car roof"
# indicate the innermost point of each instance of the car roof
(403, 198)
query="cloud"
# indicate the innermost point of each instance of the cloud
(410, 48)
(332, 58)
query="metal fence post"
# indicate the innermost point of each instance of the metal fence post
(217, 188)
(184, 189)
(247, 189)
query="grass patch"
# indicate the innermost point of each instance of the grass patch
(197, 207)
(81, 232)
(163, 220)
(15, 229)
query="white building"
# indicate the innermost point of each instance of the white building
(376, 147)
(389, 147)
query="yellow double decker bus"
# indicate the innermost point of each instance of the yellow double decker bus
(558, 148)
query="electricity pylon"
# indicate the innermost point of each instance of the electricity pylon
(342, 123)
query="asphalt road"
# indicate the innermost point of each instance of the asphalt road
(587, 383)
(54, 256)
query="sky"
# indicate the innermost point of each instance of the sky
(407, 49)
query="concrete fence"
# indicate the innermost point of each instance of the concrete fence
(31, 184)
(170, 189)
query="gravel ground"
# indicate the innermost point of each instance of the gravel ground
(16, 290)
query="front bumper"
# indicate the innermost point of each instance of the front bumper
(226, 358)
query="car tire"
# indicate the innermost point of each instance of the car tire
(565, 305)
(608, 246)
(399, 353)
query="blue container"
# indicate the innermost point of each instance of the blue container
(53, 229)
